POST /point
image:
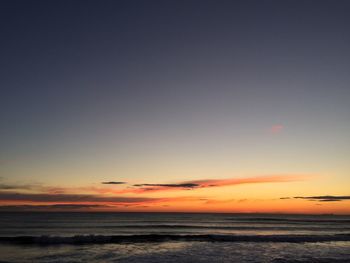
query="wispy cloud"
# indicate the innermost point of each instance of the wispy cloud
(248, 180)
(181, 185)
(217, 201)
(30, 197)
(85, 199)
(324, 198)
(59, 207)
(277, 128)
(113, 182)
(15, 186)
(196, 184)
(12, 187)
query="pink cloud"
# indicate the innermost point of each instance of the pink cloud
(278, 128)
(197, 184)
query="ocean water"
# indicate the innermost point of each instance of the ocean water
(173, 237)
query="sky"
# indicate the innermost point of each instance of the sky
(185, 106)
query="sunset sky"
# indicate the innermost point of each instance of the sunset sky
(196, 106)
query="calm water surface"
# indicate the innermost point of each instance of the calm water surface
(180, 237)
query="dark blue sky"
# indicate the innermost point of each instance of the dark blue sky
(172, 79)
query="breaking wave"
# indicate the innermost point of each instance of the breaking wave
(200, 227)
(109, 239)
(296, 220)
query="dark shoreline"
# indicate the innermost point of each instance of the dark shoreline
(103, 239)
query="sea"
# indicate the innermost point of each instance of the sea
(172, 237)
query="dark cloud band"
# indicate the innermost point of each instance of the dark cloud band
(185, 185)
(113, 182)
(322, 198)
(50, 207)
(14, 196)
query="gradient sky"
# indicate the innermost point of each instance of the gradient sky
(222, 106)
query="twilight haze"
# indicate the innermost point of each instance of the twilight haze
(203, 106)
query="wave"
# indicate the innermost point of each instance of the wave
(274, 220)
(180, 226)
(258, 225)
(109, 239)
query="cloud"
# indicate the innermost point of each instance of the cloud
(30, 197)
(324, 198)
(51, 207)
(217, 201)
(182, 185)
(64, 200)
(276, 128)
(113, 182)
(249, 180)
(16, 187)
(196, 184)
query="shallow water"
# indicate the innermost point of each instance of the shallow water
(266, 238)
(182, 252)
